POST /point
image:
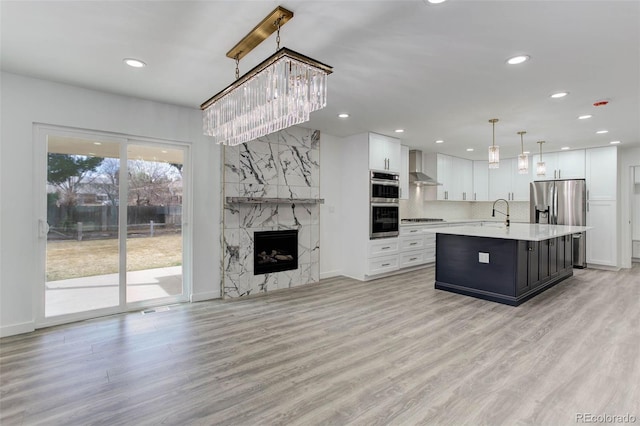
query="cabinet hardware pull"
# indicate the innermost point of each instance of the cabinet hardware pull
(385, 264)
(414, 230)
(385, 248)
(413, 258)
(475, 197)
(412, 244)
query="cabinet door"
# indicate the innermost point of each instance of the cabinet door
(394, 155)
(601, 173)
(443, 167)
(571, 164)
(384, 153)
(377, 152)
(601, 240)
(480, 181)
(404, 172)
(520, 183)
(464, 169)
(500, 181)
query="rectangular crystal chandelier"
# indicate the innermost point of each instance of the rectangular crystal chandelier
(278, 93)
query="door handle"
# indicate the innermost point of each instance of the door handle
(43, 228)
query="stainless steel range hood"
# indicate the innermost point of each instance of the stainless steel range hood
(416, 176)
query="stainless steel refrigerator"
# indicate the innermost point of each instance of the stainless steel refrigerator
(562, 202)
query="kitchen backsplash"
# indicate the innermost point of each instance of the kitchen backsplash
(416, 207)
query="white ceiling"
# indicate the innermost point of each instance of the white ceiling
(437, 71)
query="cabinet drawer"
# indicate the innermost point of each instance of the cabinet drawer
(383, 247)
(413, 230)
(380, 265)
(412, 258)
(411, 243)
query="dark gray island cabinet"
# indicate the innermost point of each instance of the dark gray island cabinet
(504, 264)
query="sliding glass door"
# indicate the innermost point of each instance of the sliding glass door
(111, 231)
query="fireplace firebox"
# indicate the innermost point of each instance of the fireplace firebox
(275, 251)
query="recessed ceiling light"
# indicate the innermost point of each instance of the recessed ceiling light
(602, 132)
(164, 151)
(584, 117)
(92, 153)
(399, 130)
(343, 115)
(614, 142)
(439, 141)
(436, 1)
(559, 95)
(518, 59)
(135, 63)
(564, 148)
(97, 143)
(527, 152)
(469, 149)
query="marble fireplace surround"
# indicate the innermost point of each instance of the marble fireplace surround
(271, 183)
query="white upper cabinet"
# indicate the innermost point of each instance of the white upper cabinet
(505, 181)
(404, 172)
(561, 165)
(602, 173)
(480, 181)
(571, 164)
(456, 176)
(384, 153)
(500, 180)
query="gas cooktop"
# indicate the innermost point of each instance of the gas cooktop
(422, 219)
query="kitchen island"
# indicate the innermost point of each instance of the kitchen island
(504, 264)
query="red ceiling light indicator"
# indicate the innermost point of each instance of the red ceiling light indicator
(600, 103)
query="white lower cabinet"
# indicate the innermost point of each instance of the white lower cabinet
(382, 256)
(411, 258)
(380, 265)
(601, 240)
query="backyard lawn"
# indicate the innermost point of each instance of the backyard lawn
(75, 259)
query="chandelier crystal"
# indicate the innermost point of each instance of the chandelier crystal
(523, 159)
(541, 167)
(494, 150)
(278, 93)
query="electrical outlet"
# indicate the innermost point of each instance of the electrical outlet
(483, 257)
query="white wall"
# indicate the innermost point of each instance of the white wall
(627, 158)
(331, 223)
(25, 101)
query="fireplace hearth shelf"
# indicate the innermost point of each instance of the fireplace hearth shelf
(264, 200)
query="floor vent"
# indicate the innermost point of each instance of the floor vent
(154, 310)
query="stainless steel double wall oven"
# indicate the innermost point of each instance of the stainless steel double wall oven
(384, 210)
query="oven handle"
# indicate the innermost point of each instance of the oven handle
(385, 182)
(386, 204)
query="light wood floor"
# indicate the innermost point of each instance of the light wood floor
(390, 351)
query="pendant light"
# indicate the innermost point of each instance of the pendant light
(541, 167)
(523, 159)
(494, 151)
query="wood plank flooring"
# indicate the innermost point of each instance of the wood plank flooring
(389, 351)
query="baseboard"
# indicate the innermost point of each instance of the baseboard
(11, 330)
(208, 295)
(603, 267)
(330, 274)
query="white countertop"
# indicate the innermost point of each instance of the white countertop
(517, 231)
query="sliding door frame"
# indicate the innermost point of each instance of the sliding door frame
(40, 134)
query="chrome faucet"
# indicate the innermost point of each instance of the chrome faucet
(493, 211)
